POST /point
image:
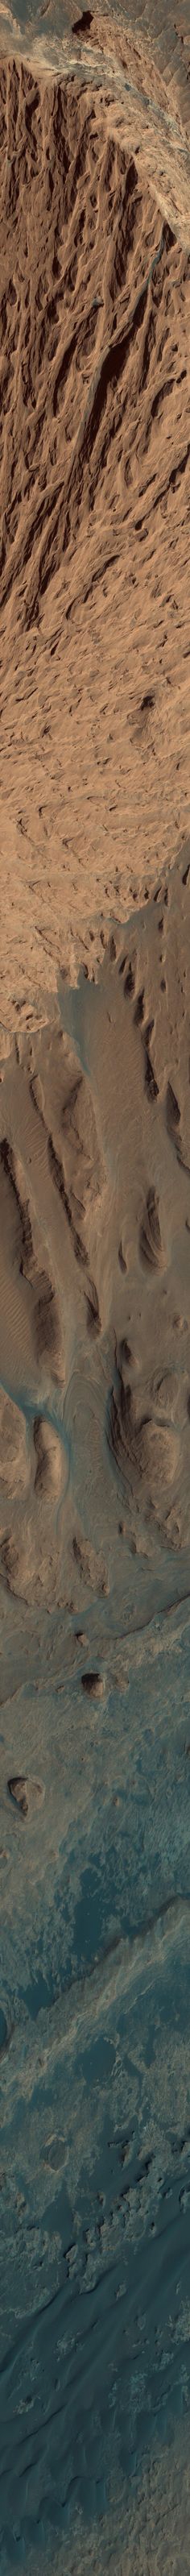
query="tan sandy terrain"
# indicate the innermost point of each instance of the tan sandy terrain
(95, 498)
(95, 1271)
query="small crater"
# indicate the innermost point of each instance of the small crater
(93, 1685)
(26, 1793)
(147, 702)
(18, 1791)
(54, 2152)
(80, 1637)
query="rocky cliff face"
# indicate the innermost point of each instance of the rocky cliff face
(95, 480)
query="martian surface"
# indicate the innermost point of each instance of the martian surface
(95, 1290)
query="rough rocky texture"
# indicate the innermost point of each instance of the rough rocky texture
(95, 1295)
(95, 498)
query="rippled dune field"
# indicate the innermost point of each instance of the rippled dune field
(95, 1292)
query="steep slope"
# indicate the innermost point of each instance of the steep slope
(95, 495)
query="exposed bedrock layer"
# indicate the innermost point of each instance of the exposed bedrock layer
(95, 483)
